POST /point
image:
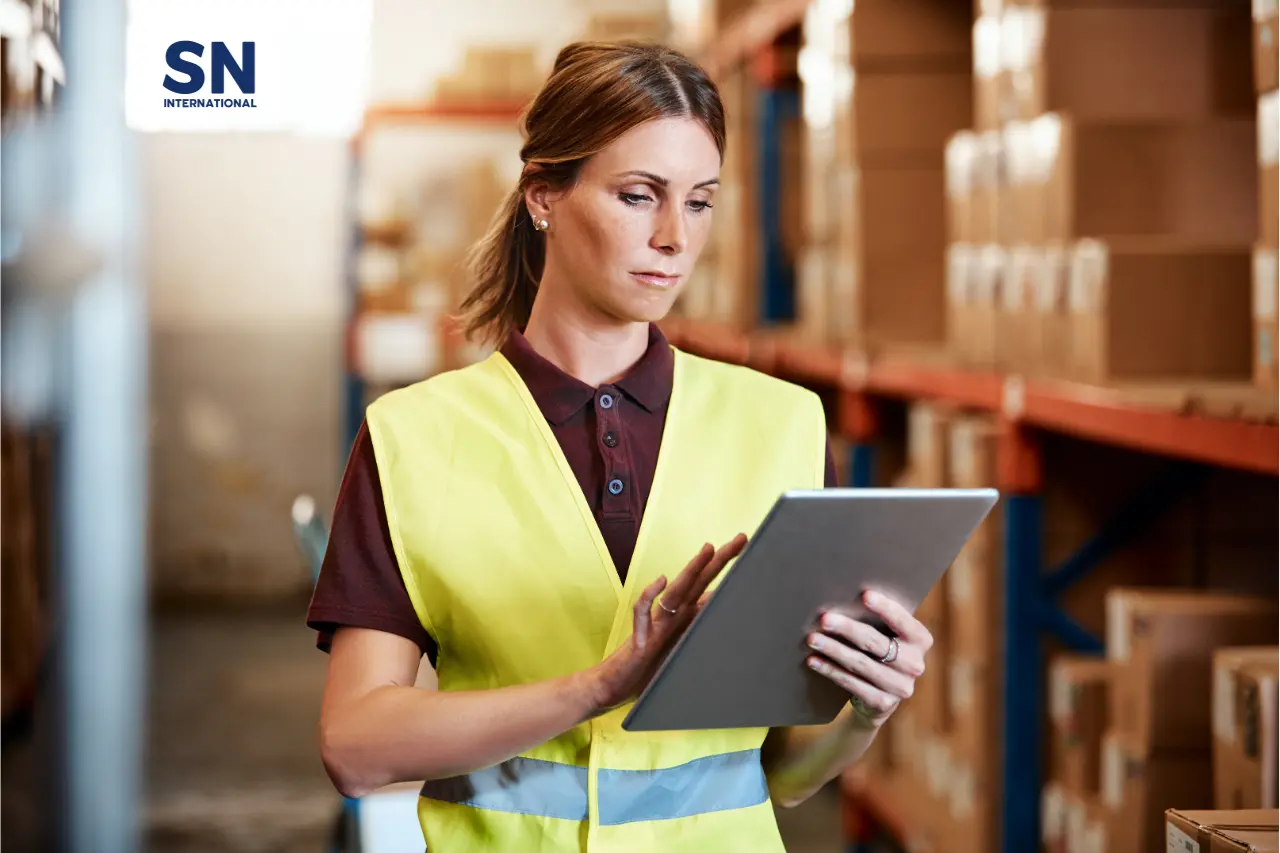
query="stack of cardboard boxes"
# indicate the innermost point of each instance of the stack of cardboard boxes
(1244, 727)
(1266, 279)
(1233, 831)
(492, 74)
(1132, 734)
(1105, 184)
(885, 83)
(942, 768)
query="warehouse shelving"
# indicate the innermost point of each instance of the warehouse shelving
(492, 113)
(1098, 414)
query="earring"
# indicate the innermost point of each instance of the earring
(541, 225)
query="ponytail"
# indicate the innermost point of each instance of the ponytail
(506, 265)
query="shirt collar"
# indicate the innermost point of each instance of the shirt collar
(559, 396)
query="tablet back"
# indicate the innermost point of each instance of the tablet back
(742, 661)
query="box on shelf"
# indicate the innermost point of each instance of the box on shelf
(1268, 174)
(961, 152)
(492, 73)
(1218, 831)
(1139, 784)
(974, 594)
(607, 26)
(989, 110)
(932, 710)
(1130, 64)
(928, 443)
(972, 815)
(1086, 824)
(891, 297)
(1153, 310)
(905, 117)
(898, 33)
(1053, 818)
(1127, 179)
(1078, 715)
(1161, 643)
(1266, 76)
(1051, 323)
(973, 702)
(1244, 727)
(980, 304)
(813, 286)
(1014, 327)
(1266, 292)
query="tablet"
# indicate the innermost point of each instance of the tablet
(741, 663)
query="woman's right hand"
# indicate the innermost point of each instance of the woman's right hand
(622, 675)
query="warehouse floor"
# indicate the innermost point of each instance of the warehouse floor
(233, 763)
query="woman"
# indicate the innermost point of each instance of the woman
(490, 517)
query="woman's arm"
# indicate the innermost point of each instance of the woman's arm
(376, 728)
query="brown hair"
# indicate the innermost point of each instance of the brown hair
(597, 92)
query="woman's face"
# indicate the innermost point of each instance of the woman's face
(623, 240)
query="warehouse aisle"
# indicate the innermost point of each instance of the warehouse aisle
(232, 763)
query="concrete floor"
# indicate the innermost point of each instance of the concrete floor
(232, 764)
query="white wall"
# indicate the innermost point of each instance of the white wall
(245, 263)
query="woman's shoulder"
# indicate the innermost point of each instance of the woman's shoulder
(765, 394)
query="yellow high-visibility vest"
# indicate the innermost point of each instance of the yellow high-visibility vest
(509, 573)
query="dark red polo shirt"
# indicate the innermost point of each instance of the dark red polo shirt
(610, 436)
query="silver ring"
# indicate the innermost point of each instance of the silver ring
(667, 609)
(891, 655)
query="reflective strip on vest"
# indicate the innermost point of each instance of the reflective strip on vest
(534, 787)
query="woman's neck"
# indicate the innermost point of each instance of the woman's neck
(593, 350)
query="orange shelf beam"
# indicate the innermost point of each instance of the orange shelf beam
(1082, 411)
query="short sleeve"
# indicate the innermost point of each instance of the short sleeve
(360, 585)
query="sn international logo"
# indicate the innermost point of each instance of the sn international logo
(223, 64)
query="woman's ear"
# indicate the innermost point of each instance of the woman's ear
(538, 197)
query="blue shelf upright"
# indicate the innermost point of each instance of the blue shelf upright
(1031, 611)
(777, 106)
(353, 390)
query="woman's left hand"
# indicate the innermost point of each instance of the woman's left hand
(878, 671)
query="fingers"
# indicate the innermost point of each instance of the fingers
(679, 587)
(873, 644)
(854, 662)
(899, 619)
(877, 701)
(642, 614)
(716, 564)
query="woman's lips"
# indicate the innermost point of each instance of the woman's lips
(654, 279)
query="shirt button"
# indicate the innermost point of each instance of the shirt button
(615, 486)
(606, 401)
(610, 440)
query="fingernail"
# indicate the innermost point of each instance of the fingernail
(871, 598)
(814, 664)
(828, 621)
(815, 641)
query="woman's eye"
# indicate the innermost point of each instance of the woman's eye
(700, 206)
(634, 199)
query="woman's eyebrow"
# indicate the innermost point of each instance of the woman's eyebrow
(662, 182)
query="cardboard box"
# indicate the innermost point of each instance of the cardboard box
(1269, 176)
(1161, 643)
(960, 261)
(988, 77)
(1129, 64)
(1014, 324)
(906, 117)
(932, 711)
(1266, 77)
(902, 209)
(813, 285)
(988, 271)
(1087, 821)
(894, 33)
(1201, 298)
(1053, 818)
(975, 595)
(1244, 727)
(1139, 785)
(1266, 287)
(1244, 841)
(1107, 180)
(1051, 326)
(962, 150)
(1078, 715)
(973, 691)
(972, 811)
(884, 299)
(1197, 831)
(988, 177)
